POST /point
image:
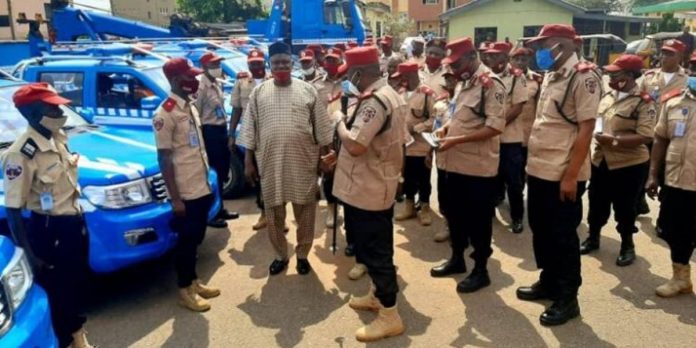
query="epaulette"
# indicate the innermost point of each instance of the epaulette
(646, 97)
(29, 148)
(669, 95)
(367, 94)
(584, 67)
(243, 75)
(443, 96)
(486, 80)
(169, 104)
(516, 72)
(427, 90)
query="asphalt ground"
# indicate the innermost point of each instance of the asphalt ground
(138, 307)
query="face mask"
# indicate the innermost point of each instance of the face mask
(190, 87)
(618, 85)
(349, 88)
(692, 84)
(258, 73)
(53, 124)
(217, 73)
(308, 72)
(433, 62)
(545, 59)
(331, 69)
(281, 76)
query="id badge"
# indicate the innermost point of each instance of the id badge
(193, 137)
(46, 199)
(452, 108)
(680, 129)
(219, 112)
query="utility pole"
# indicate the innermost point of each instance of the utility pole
(10, 18)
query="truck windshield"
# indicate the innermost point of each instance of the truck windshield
(13, 124)
(337, 12)
(158, 78)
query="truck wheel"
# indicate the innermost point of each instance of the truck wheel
(234, 186)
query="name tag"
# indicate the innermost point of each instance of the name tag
(680, 129)
(193, 137)
(219, 112)
(46, 201)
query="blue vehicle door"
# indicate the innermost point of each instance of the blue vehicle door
(338, 22)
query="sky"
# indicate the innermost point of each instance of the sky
(103, 4)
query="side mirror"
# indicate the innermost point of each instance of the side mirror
(150, 103)
(87, 114)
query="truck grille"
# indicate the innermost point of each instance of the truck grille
(5, 310)
(158, 188)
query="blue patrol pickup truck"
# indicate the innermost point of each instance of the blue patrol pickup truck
(126, 205)
(25, 317)
(116, 91)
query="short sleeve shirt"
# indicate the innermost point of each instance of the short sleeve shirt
(516, 89)
(677, 123)
(210, 103)
(241, 91)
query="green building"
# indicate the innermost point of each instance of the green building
(513, 19)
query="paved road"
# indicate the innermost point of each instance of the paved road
(138, 308)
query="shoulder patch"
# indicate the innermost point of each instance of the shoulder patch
(13, 171)
(243, 75)
(584, 67)
(367, 113)
(169, 104)
(669, 95)
(29, 148)
(427, 90)
(486, 80)
(591, 85)
(646, 97)
(158, 123)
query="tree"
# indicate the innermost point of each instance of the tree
(607, 5)
(225, 11)
(668, 24)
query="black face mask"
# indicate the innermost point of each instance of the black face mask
(34, 113)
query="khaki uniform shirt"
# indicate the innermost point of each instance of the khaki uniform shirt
(210, 103)
(475, 158)
(330, 93)
(434, 80)
(677, 123)
(634, 114)
(529, 109)
(286, 126)
(653, 83)
(553, 137)
(516, 89)
(178, 128)
(369, 181)
(242, 89)
(420, 118)
(34, 167)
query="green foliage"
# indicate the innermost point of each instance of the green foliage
(225, 11)
(668, 24)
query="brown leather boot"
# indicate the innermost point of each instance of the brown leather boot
(424, 215)
(679, 284)
(387, 324)
(408, 211)
(80, 339)
(366, 303)
(188, 298)
(261, 223)
(205, 291)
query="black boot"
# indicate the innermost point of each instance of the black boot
(536, 291)
(628, 251)
(349, 250)
(560, 312)
(454, 265)
(590, 244)
(642, 207)
(478, 279)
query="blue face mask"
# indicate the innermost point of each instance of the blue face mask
(545, 59)
(692, 84)
(349, 87)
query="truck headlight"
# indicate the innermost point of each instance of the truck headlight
(119, 196)
(18, 278)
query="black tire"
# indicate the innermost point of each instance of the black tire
(235, 184)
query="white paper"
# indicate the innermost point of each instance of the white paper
(599, 125)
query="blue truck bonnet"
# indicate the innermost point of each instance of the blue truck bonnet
(123, 195)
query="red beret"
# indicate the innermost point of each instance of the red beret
(306, 55)
(458, 48)
(674, 46)
(362, 56)
(405, 68)
(180, 66)
(317, 48)
(626, 62)
(341, 46)
(522, 51)
(499, 47)
(555, 30)
(255, 55)
(334, 52)
(34, 92)
(210, 57)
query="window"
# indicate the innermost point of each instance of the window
(4, 21)
(378, 28)
(338, 12)
(430, 2)
(451, 4)
(634, 29)
(69, 85)
(530, 31)
(121, 91)
(489, 34)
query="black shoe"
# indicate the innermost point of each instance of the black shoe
(350, 250)
(533, 293)
(303, 267)
(517, 226)
(448, 268)
(475, 281)
(626, 256)
(643, 208)
(218, 223)
(277, 266)
(560, 312)
(589, 245)
(228, 215)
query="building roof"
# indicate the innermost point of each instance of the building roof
(668, 7)
(577, 11)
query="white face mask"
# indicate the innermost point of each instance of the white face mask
(217, 73)
(53, 124)
(308, 72)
